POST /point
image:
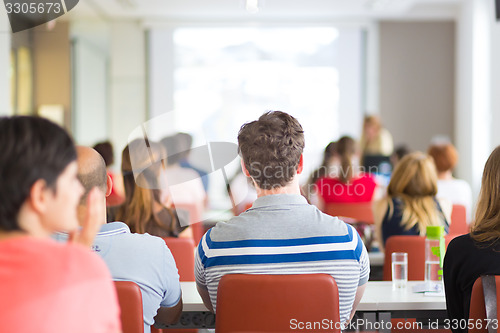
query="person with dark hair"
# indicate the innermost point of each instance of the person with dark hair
(39, 194)
(299, 238)
(349, 184)
(185, 142)
(117, 196)
(141, 258)
(399, 152)
(183, 185)
(458, 191)
(478, 253)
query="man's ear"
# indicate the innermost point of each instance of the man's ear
(244, 169)
(38, 196)
(300, 167)
(109, 185)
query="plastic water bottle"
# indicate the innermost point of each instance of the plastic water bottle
(434, 255)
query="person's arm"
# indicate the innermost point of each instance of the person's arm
(169, 315)
(205, 296)
(359, 294)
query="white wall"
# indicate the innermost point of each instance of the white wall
(127, 82)
(473, 111)
(5, 31)
(90, 98)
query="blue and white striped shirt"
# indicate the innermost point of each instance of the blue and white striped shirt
(283, 234)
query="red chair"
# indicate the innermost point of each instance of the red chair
(415, 247)
(195, 220)
(359, 211)
(267, 303)
(130, 300)
(477, 310)
(458, 223)
(183, 252)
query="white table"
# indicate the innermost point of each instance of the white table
(378, 296)
(379, 302)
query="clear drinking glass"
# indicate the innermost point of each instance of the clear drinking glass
(399, 270)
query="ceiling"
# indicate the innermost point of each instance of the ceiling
(269, 10)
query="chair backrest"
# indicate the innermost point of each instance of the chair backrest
(183, 252)
(458, 223)
(195, 218)
(477, 310)
(359, 211)
(269, 303)
(415, 247)
(130, 300)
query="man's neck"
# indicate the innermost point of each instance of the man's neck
(291, 188)
(447, 175)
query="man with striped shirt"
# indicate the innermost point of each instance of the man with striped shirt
(281, 233)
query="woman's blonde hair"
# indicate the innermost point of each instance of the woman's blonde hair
(487, 226)
(142, 163)
(414, 181)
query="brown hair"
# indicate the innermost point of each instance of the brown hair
(346, 148)
(142, 162)
(414, 181)
(445, 156)
(487, 225)
(271, 148)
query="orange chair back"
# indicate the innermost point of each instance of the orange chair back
(268, 303)
(194, 219)
(415, 247)
(359, 211)
(458, 223)
(130, 300)
(183, 252)
(477, 310)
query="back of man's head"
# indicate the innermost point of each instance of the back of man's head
(32, 149)
(271, 148)
(91, 171)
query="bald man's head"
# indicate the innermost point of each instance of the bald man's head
(91, 171)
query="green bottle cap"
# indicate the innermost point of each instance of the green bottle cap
(435, 232)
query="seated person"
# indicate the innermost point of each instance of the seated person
(143, 259)
(117, 196)
(478, 253)
(143, 210)
(280, 216)
(349, 185)
(458, 191)
(411, 204)
(45, 286)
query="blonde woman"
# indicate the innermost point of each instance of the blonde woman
(410, 205)
(375, 139)
(143, 210)
(478, 253)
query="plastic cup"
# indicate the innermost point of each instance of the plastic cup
(399, 270)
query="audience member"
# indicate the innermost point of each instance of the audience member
(398, 154)
(141, 258)
(349, 184)
(46, 286)
(143, 211)
(375, 139)
(458, 191)
(184, 185)
(478, 253)
(411, 204)
(185, 143)
(117, 196)
(329, 167)
(295, 232)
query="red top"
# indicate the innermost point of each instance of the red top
(48, 287)
(356, 190)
